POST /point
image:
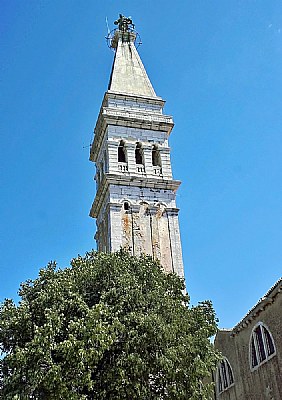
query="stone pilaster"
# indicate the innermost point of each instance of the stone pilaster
(176, 250)
(165, 159)
(147, 152)
(130, 148)
(113, 155)
(115, 231)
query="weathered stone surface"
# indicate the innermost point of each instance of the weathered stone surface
(135, 203)
(128, 74)
(263, 381)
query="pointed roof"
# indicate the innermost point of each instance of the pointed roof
(128, 73)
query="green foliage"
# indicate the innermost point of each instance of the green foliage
(111, 326)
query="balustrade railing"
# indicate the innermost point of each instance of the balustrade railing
(122, 167)
(157, 170)
(140, 168)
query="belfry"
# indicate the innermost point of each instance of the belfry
(135, 202)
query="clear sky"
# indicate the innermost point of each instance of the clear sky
(217, 64)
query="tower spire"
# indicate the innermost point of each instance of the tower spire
(128, 73)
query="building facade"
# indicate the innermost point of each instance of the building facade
(135, 202)
(252, 350)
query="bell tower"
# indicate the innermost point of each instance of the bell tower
(135, 205)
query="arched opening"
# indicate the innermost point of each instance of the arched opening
(156, 157)
(121, 152)
(126, 206)
(139, 154)
(105, 165)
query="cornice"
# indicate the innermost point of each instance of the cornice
(129, 180)
(128, 118)
(132, 97)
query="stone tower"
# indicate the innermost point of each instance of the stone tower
(135, 204)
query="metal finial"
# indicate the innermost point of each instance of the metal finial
(124, 32)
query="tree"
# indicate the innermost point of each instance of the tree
(111, 326)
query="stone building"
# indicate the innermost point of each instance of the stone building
(252, 350)
(135, 205)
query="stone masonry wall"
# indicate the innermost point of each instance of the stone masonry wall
(263, 382)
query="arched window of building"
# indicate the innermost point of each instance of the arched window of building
(139, 154)
(262, 346)
(121, 152)
(126, 206)
(156, 157)
(224, 375)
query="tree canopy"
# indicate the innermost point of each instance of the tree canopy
(110, 326)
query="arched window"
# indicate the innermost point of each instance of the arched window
(262, 346)
(156, 158)
(126, 206)
(121, 152)
(225, 377)
(139, 154)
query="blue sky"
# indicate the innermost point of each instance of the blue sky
(218, 65)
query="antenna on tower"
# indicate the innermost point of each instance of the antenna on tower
(107, 23)
(125, 26)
